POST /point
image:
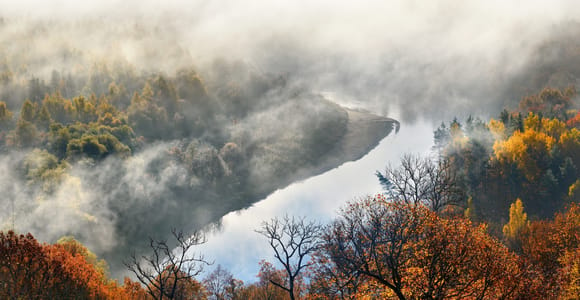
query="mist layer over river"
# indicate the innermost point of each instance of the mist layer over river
(238, 248)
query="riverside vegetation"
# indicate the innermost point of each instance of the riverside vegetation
(115, 152)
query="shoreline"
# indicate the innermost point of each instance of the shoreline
(318, 196)
(363, 133)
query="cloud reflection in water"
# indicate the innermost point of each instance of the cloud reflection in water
(238, 248)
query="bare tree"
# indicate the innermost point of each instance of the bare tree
(169, 269)
(423, 181)
(293, 241)
(369, 239)
(221, 284)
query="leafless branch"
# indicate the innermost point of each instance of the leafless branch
(166, 267)
(293, 241)
(423, 181)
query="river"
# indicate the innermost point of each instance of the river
(237, 247)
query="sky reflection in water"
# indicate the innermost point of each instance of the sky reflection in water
(237, 247)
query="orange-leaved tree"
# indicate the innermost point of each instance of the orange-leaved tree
(408, 251)
(29, 269)
(552, 249)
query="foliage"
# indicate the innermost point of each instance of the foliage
(231, 138)
(5, 116)
(551, 248)
(517, 224)
(407, 251)
(107, 113)
(30, 270)
(533, 159)
(531, 154)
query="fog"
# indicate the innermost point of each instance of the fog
(441, 57)
(420, 62)
(236, 246)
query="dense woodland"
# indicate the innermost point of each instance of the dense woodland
(154, 141)
(213, 158)
(493, 215)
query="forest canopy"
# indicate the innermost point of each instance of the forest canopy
(117, 127)
(106, 150)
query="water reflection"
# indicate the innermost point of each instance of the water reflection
(238, 248)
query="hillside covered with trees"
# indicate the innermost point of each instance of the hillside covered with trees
(113, 153)
(118, 149)
(494, 215)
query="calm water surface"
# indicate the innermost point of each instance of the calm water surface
(237, 247)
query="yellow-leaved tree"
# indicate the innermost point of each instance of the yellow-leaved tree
(518, 222)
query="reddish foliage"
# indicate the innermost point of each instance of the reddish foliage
(29, 269)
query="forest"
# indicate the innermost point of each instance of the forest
(495, 215)
(113, 169)
(106, 151)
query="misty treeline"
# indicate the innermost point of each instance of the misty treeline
(112, 152)
(531, 153)
(434, 233)
(111, 139)
(493, 215)
(421, 241)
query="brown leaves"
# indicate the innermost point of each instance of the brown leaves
(416, 253)
(550, 249)
(29, 269)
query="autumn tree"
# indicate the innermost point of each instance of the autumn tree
(60, 110)
(30, 270)
(265, 287)
(146, 117)
(537, 164)
(574, 191)
(186, 287)
(368, 239)
(25, 270)
(74, 247)
(330, 281)
(411, 252)
(165, 93)
(84, 110)
(168, 272)
(550, 101)
(5, 116)
(453, 266)
(293, 241)
(25, 134)
(551, 248)
(43, 118)
(570, 274)
(134, 290)
(261, 289)
(28, 111)
(518, 222)
(191, 87)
